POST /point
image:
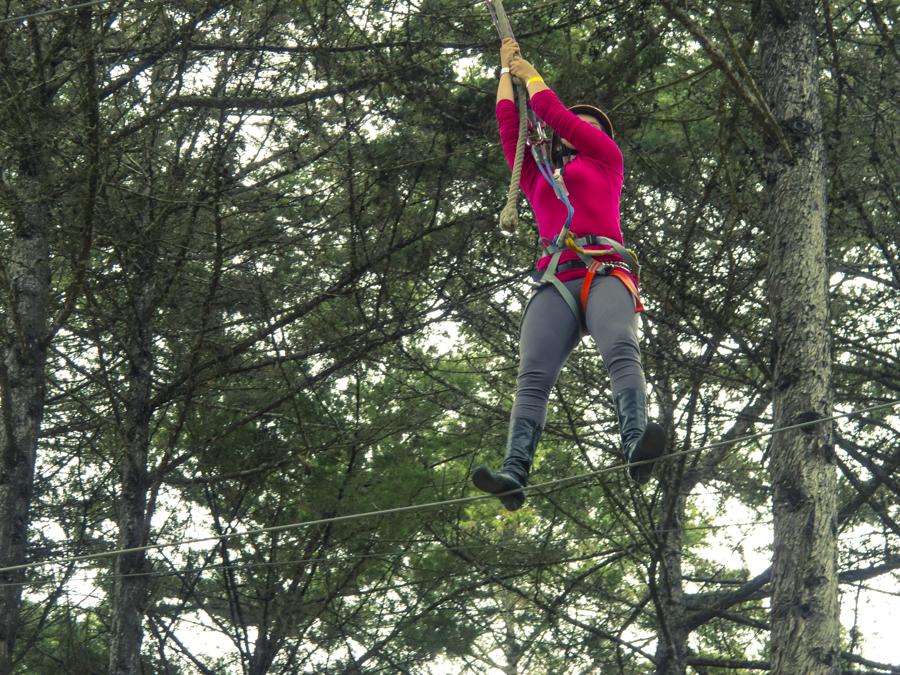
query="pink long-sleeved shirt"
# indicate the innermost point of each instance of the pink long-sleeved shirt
(593, 177)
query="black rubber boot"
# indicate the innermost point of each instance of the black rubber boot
(520, 446)
(641, 440)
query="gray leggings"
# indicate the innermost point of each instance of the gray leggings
(550, 332)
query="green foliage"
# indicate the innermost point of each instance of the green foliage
(68, 643)
(293, 201)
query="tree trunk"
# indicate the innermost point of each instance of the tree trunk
(22, 384)
(805, 610)
(129, 597)
(264, 653)
(668, 590)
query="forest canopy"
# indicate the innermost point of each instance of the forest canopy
(252, 275)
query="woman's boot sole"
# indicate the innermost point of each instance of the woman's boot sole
(651, 446)
(484, 480)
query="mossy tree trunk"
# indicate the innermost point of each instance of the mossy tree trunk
(805, 608)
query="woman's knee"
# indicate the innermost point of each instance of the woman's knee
(618, 340)
(535, 377)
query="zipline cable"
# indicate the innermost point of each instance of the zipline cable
(503, 545)
(536, 489)
(47, 12)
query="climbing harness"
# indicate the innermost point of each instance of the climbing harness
(588, 258)
(541, 149)
(533, 132)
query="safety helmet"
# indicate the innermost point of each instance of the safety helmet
(558, 150)
(595, 112)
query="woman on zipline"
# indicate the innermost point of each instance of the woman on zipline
(593, 171)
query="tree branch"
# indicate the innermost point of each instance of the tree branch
(758, 106)
(266, 102)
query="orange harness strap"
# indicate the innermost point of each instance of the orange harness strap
(616, 272)
(586, 286)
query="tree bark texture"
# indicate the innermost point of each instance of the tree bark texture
(129, 597)
(22, 383)
(672, 635)
(805, 608)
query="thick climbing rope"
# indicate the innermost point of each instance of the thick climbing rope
(538, 489)
(509, 216)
